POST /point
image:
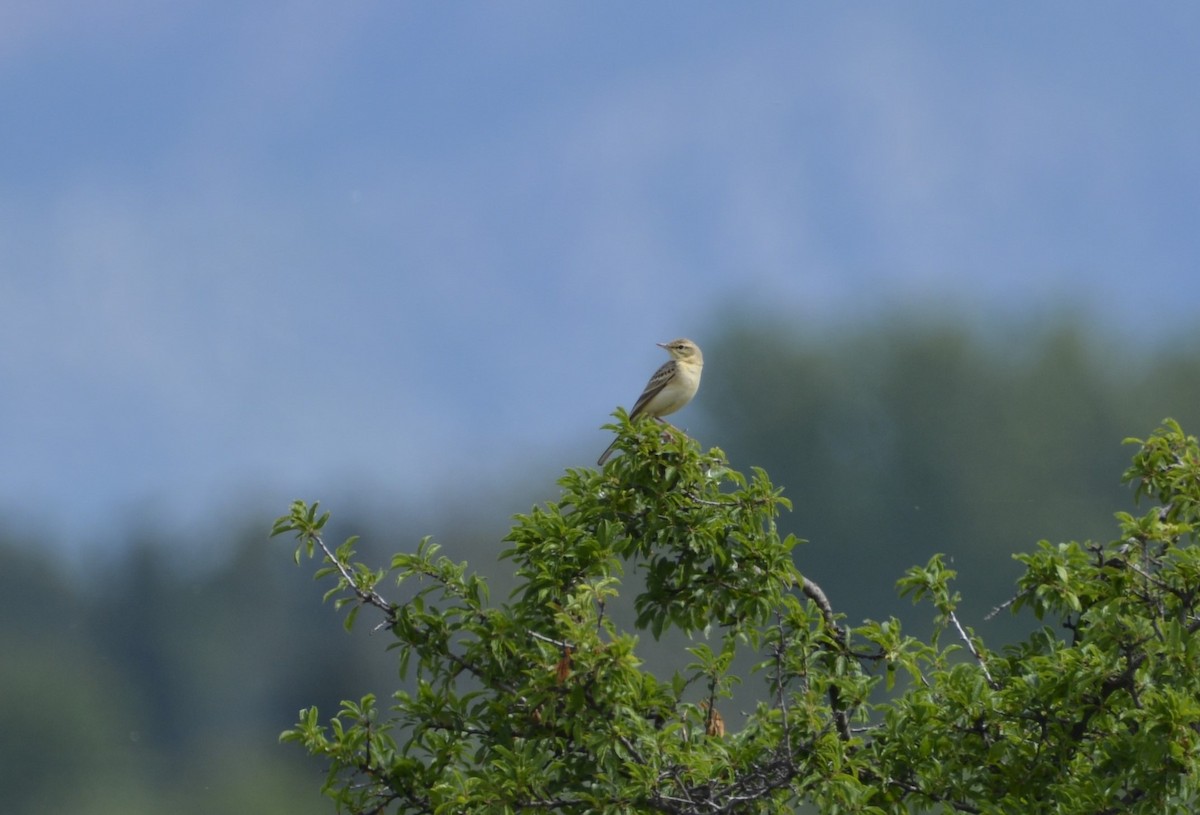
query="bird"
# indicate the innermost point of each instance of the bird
(672, 386)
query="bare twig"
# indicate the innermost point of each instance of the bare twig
(814, 592)
(780, 696)
(907, 786)
(1004, 605)
(365, 596)
(971, 647)
(557, 643)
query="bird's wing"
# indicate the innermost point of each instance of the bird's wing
(657, 382)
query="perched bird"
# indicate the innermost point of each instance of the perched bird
(672, 386)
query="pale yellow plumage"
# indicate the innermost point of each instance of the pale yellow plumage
(672, 386)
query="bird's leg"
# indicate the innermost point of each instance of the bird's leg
(667, 428)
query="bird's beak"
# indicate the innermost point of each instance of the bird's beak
(661, 344)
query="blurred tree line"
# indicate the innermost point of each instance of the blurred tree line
(148, 685)
(923, 437)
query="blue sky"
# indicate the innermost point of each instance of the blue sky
(275, 250)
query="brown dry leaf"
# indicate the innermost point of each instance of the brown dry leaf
(714, 725)
(563, 669)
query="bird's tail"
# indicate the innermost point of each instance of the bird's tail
(608, 452)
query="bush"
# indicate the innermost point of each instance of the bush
(547, 702)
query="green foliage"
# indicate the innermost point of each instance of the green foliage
(544, 702)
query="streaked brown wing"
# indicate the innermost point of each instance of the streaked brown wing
(657, 382)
